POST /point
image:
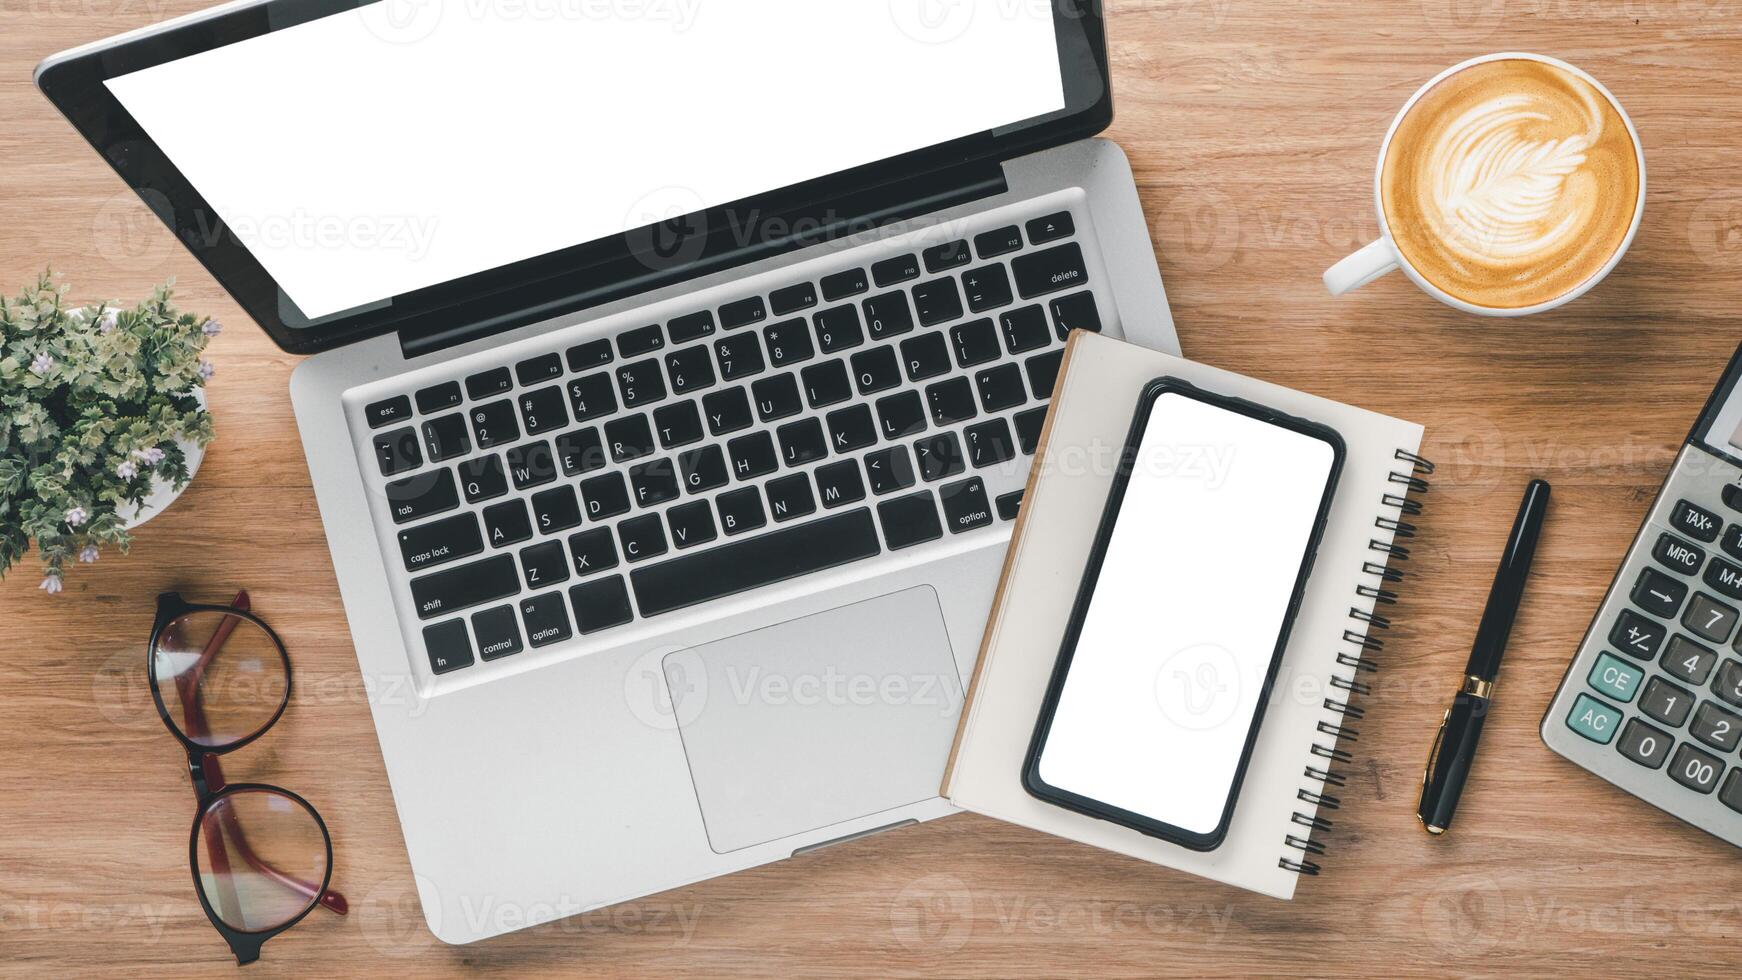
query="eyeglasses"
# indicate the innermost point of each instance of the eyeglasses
(261, 855)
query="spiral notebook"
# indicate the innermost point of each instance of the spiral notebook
(1287, 804)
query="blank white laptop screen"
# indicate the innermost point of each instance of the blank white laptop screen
(1192, 594)
(406, 143)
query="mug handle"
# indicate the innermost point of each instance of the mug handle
(1370, 262)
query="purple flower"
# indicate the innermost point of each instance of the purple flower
(88, 553)
(212, 328)
(76, 516)
(150, 457)
(207, 370)
(127, 470)
(42, 364)
(51, 584)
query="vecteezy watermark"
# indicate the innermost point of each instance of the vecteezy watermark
(113, 922)
(1199, 688)
(410, 21)
(666, 230)
(402, 918)
(933, 914)
(933, 21)
(129, 230)
(302, 230)
(1715, 230)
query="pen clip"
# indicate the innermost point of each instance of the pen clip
(1433, 755)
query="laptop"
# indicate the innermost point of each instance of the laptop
(672, 379)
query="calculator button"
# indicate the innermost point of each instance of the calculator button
(1709, 619)
(1716, 727)
(1724, 577)
(1732, 794)
(1733, 492)
(1728, 683)
(1616, 677)
(1698, 771)
(1666, 702)
(1659, 594)
(1593, 719)
(1645, 744)
(1637, 636)
(1732, 541)
(1688, 661)
(1674, 553)
(1695, 521)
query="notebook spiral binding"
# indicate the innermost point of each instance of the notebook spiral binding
(1411, 478)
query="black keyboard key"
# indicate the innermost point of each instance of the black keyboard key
(555, 510)
(802, 442)
(844, 284)
(950, 401)
(1686, 660)
(537, 370)
(1732, 540)
(601, 605)
(693, 326)
(593, 550)
(802, 296)
(396, 451)
(486, 383)
(1009, 504)
(388, 411)
(776, 397)
(939, 456)
(740, 356)
(1696, 522)
(677, 424)
(1727, 684)
(1665, 702)
(989, 443)
(531, 465)
(629, 438)
(790, 497)
(949, 255)
(925, 356)
(789, 342)
(417, 497)
(1000, 387)
(909, 520)
(1731, 796)
(654, 482)
(899, 269)
(752, 456)
(542, 410)
(838, 329)
(987, 288)
(547, 619)
(448, 646)
(741, 510)
(1637, 636)
(852, 428)
(889, 470)
(1024, 329)
(726, 411)
(438, 397)
(839, 483)
(641, 340)
(1724, 577)
(482, 478)
(901, 414)
(1043, 372)
(580, 451)
(755, 562)
(1075, 312)
(1051, 228)
(1659, 594)
(690, 369)
(606, 496)
(1678, 555)
(938, 301)
(1709, 619)
(876, 369)
(643, 537)
(1049, 271)
(640, 383)
(1001, 241)
(464, 586)
(743, 313)
(506, 523)
(1732, 494)
(544, 564)
(975, 342)
(702, 469)
(591, 397)
(446, 437)
(1698, 771)
(494, 424)
(1716, 727)
(592, 354)
(1644, 744)
(498, 632)
(691, 524)
(440, 542)
(966, 507)
(826, 383)
(887, 316)
(1028, 426)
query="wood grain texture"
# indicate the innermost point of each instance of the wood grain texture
(1252, 129)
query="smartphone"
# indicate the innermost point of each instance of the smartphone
(1198, 567)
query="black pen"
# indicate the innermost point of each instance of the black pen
(1454, 750)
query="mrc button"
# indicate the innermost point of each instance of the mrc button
(1696, 522)
(1676, 554)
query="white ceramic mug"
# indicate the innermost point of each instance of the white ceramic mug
(1382, 256)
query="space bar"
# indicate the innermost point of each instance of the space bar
(755, 562)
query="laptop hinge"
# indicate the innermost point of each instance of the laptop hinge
(739, 239)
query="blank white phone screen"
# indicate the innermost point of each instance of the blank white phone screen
(1178, 638)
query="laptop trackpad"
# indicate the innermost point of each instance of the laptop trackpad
(818, 720)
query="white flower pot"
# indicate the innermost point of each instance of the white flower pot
(163, 493)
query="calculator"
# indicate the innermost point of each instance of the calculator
(1653, 701)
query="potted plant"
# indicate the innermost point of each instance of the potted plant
(102, 421)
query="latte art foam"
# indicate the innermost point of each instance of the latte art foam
(1510, 183)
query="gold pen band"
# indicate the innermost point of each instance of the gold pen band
(1483, 689)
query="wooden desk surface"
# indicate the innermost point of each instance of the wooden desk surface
(1252, 128)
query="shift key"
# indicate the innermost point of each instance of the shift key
(465, 586)
(1050, 270)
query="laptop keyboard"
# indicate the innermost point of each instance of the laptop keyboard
(823, 423)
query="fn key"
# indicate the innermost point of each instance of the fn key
(448, 646)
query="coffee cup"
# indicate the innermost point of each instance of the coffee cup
(1507, 185)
